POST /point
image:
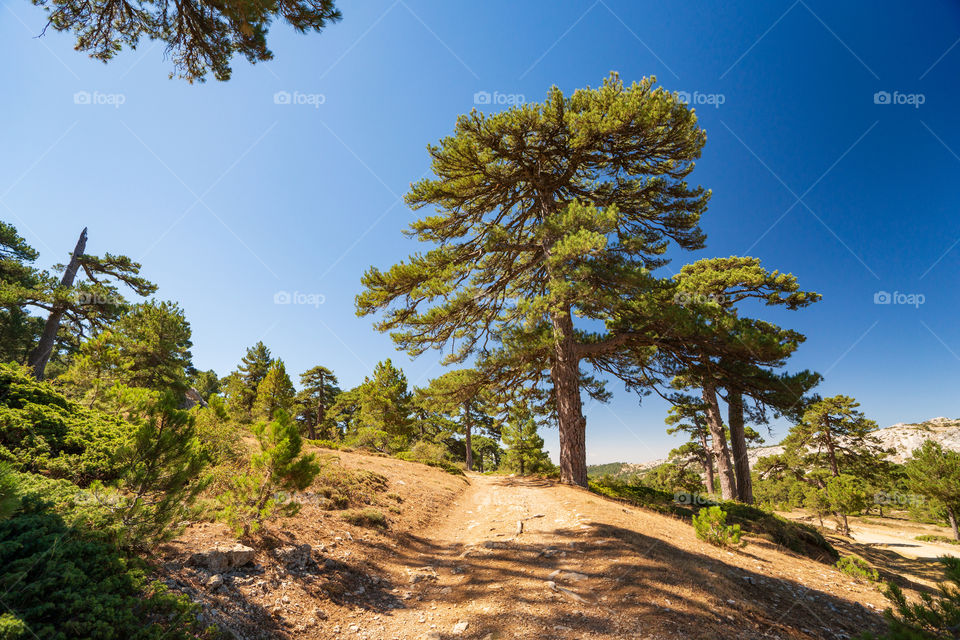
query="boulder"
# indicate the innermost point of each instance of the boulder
(295, 556)
(223, 557)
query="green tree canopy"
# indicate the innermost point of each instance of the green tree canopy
(200, 36)
(274, 393)
(545, 212)
(934, 473)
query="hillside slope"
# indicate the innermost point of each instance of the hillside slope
(903, 438)
(497, 557)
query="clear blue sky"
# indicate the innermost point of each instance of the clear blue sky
(228, 197)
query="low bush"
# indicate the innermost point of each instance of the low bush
(858, 568)
(711, 526)
(931, 538)
(366, 518)
(934, 617)
(41, 431)
(62, 582)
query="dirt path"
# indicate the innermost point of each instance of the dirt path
(520, 558)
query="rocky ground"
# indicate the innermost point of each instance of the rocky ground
(500, 557)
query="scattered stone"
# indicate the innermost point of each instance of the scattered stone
(214, 582)
(519, 527)
(460, 627)
(423, 573)
(295, 556)
(223, 557)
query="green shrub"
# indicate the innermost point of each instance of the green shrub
(61, 582)
(934, 617)
(162, 463)
(366, 518)
(930, 538)
(41, 431)
(858, 568)
(711, 526)
(280, 466)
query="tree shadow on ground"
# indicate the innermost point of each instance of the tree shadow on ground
(629, 585)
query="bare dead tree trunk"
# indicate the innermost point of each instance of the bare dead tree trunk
(721, 453)
(41, 354)
(565, 373)
(738, 445)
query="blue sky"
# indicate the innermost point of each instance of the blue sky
(833, 153)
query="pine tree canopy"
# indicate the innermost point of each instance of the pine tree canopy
(200, 36)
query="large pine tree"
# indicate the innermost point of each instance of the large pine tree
(545, 213)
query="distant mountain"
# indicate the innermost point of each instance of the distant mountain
(903, 438)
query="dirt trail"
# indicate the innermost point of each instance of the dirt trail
(522, 558)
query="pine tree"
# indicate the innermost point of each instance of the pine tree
(564, 206)
(524, 445)
(163, 466)
(832, 449)
(274, 393)
(199, 36)
(714, 288)
(461, 394)
(241, 385)
(318, 394)
(279, 466)
(934, 473)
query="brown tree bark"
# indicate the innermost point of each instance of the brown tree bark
(707, 462)
(952, 517)
(41, 353)
(467, 428)
(738, 445)
(565, 373)
(721, 453)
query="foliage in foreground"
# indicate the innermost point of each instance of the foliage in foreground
(933, 617)
(711, 526)
(63, 581)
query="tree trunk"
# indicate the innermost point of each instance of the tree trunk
(952, 516)
(565, 373)
(738, 445)
(41, 354)
(468, 441)
(707, 461)
(721, 453)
